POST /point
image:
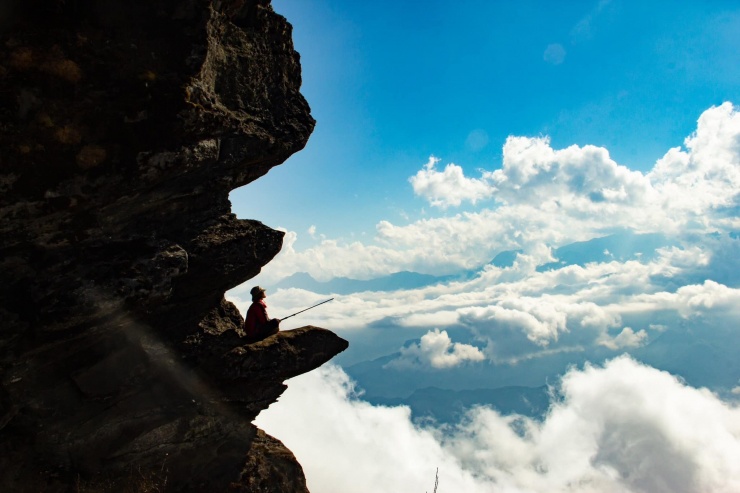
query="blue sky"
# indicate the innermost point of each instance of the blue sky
(594, 145)
(391, 83)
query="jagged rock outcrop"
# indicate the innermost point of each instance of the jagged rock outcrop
(123, 127)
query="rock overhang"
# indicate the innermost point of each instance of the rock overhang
(124, 126)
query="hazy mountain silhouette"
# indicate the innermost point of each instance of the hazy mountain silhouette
(505, 258)
(446, 406)
(345, 285)
(621, 246)
(702, 352)
(380, 380)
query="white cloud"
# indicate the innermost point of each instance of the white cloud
(693, 299)
(448, 187)
(436, 350)
(624, 427)
(687, 301)
(345, 444)
(538, 327)
(705, 177)
(628, 338)
(533, 173)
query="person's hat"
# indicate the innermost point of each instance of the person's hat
(256, 290)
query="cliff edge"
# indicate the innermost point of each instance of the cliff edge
(124, 125)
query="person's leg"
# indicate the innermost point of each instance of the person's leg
(272, 327)
(267, 329)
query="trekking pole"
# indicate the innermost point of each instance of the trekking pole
(306, 309)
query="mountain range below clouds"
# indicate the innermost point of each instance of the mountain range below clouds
(381, 381)
(344, 285)
(448, 406)
(622, 246)
(700, 350)
(703, 355)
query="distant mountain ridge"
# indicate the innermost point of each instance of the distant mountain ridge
(619, 246)
(446, 406)
(345, 285)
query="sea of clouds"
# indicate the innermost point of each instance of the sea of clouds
(617, 427)
(623, 427)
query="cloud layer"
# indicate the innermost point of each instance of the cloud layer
(543, 196)
(518, 312)
(623, 427)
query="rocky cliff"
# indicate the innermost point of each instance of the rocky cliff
(124, 125)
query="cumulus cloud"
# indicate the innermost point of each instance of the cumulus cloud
(540, 322)
(449, 187)
(628, 338)
(436, 350)
(701, 181)
(687, 301)
(534, 171)
(623, 427)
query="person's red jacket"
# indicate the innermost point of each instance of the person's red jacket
(256, 318)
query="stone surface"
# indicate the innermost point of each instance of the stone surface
(124, 125)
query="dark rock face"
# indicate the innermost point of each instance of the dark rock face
(123, 127)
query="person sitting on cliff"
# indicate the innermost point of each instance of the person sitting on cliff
(258, 324)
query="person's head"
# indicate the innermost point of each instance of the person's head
(257, 293)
